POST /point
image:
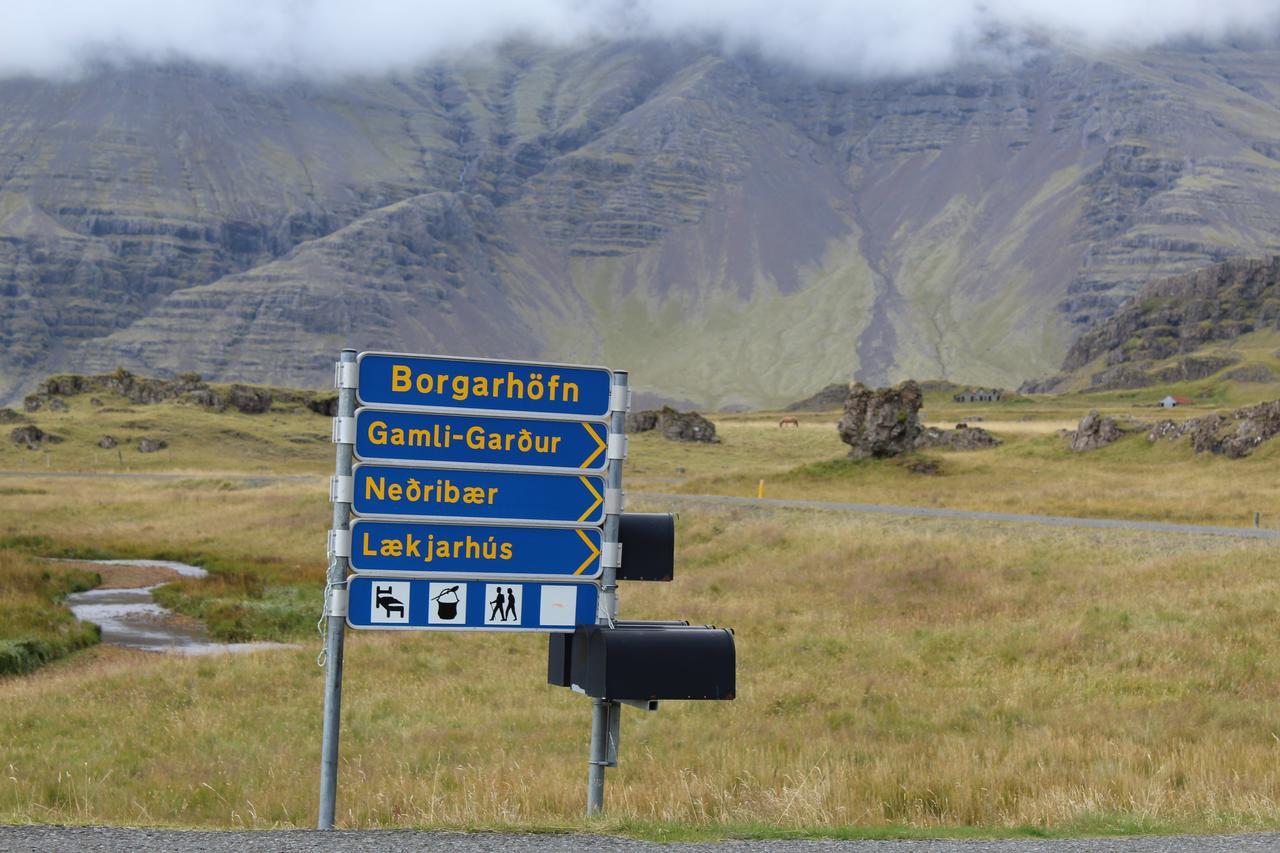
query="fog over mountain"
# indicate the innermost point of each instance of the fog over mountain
(327, 38)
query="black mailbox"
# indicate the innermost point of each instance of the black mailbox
(648, 546)
(645, 661)
(560, 659)
(560, 649)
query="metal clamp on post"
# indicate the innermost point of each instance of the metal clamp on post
(344, 374)
(615, 732)
(342, 490)
(617, 446)
(338, 601)
(620, 398)
(610, 554)
(340, 543)
(344, 430)
(614, 499)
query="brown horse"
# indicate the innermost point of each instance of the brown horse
(789, 419)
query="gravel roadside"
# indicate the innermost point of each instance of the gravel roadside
(28, 839)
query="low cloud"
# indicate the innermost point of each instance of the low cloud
(329, 38)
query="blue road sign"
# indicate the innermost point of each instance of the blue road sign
(476, 440)
(482, 385)
(443, 494)
(467, 550)
(418, 604)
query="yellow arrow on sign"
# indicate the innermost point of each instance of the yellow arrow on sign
(600, 449)
(595, 552)
(599, 500)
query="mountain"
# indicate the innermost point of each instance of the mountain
(730, 230)
(1222, 321)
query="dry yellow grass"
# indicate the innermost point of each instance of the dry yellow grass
(1032, 472)
(925, 675)
(892, 673)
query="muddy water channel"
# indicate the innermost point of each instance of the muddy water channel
(128, 616)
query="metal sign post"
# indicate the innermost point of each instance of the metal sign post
(488, 498)
(336, 589)
(605, 713)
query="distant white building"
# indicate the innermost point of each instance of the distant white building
(1171, 402)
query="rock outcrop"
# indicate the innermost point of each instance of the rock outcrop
(677, 426)
(1177, 317)
(960, 438)
(1187, 369)
(186, 388)
(1094, 431)
(151, 445)
(881, 422)
(1254, 373)
(830, 397)
(324, 405)
(135, 389)
(249, 400)
(1233, 435)
(1181, 314)
(32, 437)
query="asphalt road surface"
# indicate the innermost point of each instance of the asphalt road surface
(21, 839)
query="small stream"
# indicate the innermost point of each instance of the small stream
(131, 617)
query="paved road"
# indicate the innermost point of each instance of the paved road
(970, 515)
(101, 840)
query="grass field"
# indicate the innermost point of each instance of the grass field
(894, 677)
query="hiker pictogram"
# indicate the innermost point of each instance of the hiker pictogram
(503, 604)
(390, 604)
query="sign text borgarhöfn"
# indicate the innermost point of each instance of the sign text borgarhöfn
(481, 385)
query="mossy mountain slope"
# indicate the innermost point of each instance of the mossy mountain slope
(734, 232)
(1220, 320)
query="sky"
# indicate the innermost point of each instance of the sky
(336, 38)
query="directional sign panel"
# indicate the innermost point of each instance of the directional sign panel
(384, 435)
(443, 494)
(418, 604)
(407, 548)
(482, 385)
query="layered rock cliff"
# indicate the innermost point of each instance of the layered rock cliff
(731, 231)
(1177, 317)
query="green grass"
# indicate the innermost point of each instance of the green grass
(35, 628)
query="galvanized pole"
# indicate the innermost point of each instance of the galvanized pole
(603, 709)
(336, 588)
